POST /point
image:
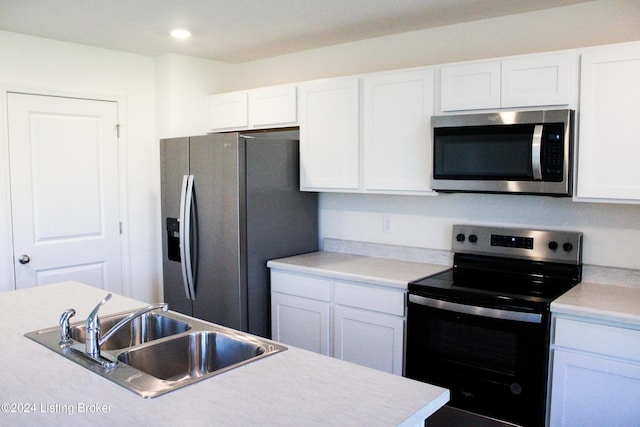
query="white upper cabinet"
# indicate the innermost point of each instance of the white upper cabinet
(268, 107)
(526, 81)
(228, 111)
(273, 106)
(329, 135)
(374, 141)
(537, 80)
(609, 146)
(396, 148)
(470, 86)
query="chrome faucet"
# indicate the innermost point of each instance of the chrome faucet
(93, 339)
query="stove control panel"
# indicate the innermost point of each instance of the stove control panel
(540, 245)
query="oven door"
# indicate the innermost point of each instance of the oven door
(493, 361)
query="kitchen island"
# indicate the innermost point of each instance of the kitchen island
(291, 388)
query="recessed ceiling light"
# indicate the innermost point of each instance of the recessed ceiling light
(180, 33)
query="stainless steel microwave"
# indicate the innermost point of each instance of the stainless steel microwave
(523, 152)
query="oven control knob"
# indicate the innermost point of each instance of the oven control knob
(516, 389)
(460, 237)
(473, 238)
(568, 247)
(553, 245)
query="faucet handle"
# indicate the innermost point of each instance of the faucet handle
(93, 329)
(93, 321)
(65, 338)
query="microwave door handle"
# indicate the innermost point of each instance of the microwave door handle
(536, 152)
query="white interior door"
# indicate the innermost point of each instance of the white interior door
(63, 155)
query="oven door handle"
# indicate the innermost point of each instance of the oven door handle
(476, 311)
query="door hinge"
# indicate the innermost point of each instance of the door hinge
(118, 130)
(121, 227)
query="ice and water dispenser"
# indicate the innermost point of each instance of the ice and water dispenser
(173, 239)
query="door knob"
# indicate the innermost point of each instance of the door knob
(24, 259)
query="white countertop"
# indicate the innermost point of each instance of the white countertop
(380, 271)
(291, 388)
(599, 302)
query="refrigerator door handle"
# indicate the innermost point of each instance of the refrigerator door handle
(186, 202)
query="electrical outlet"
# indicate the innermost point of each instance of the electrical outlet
(386, 224)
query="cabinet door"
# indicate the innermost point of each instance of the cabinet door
(273, 106)
(470, 86)
(369, 339)
(228, 111)
(300, 322)
(329, 135)
(536, 80)
(397, 137)
(593, 391)
(609, 127)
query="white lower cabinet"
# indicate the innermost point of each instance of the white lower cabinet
(370, 339)
(355, 322)
(302, 322)
(300, 311)
(595, 375)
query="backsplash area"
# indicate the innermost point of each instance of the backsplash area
(590, 273)
(402, 253)
(611, 276)
(611, 231)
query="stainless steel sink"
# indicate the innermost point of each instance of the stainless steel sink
(148, 327)
(191, 356)
(161, 352)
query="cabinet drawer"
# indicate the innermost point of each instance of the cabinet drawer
(370, 298)
(300, 285)
(598, 338)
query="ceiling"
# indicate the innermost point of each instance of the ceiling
(236, 31)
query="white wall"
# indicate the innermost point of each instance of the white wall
(182, 86)
(612, 232)
(581, 25)
(45, 66)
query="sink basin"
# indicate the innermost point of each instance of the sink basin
(160, 352)
(191, 356)
(148, 327)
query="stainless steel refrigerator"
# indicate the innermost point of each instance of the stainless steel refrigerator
(231, 202)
